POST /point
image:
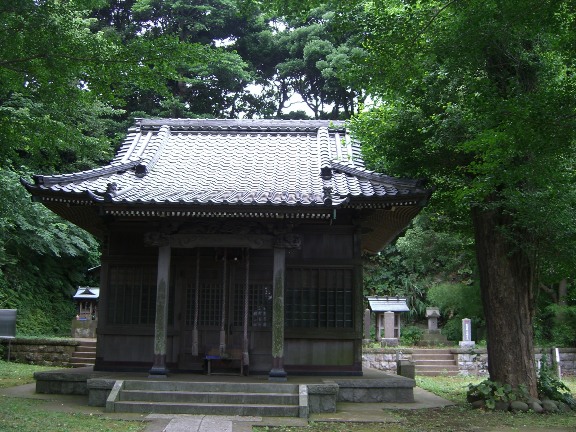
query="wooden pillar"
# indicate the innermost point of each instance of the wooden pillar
(277, 373)
(224, 303)
(196, 306)
(161, 323)
(245, 355)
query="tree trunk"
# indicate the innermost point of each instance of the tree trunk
(562, 292)
(506, 281)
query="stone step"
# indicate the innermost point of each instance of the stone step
(84, 354)
(79, 363)
(210, 386)
(435, 366)
(435, 363)
(442, 372)
(87, 343)
(211, 398)
(423, 357)
(222, 398)
(207, 408)
(428, 351)
(426, 368)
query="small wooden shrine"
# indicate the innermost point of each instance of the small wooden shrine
(86, 299)
(387, 317)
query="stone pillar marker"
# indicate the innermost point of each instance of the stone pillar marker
(389, 337)
(432, 313)
(467, 341)
(161, 323)
(367, 323)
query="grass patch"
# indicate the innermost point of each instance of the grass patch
(458, 418)
(15, 374)
(33, 415)
(334, 427)
(452, 388)
(30, 415)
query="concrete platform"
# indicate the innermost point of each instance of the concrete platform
(346, 412)
(373, 386)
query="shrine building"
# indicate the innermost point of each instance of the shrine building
(235, 240)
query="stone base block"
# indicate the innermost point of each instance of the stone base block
(61, 383)
(406, 368)
(84, 328)
(389, 342)
(98, 391)
(391, 389)
(322, 397)
(467, 344)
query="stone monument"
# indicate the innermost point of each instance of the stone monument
(433, 313)
(467, 341)
(390, 335)
(367, 325)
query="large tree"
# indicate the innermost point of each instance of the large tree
(64, 80)
(479, 97)
(62, 74)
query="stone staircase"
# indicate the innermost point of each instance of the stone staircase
(84, 355)
(434, 362)
(211, 398)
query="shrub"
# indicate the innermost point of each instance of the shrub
(411, 335)
(492, 392)
(551, 387)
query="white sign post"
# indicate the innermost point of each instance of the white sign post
(467, 341)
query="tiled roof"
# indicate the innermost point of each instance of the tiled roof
(87, 293)
(235, 168)
(388, 304)
(255, 162)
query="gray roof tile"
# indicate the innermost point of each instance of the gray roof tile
(240, 162)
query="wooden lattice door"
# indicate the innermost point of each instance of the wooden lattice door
(226, 303)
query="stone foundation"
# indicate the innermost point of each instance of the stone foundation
(98, 390)
(62, 382)
(43, 352)
(384, 359)
(84, 328)
(322, 397)
(389, 389)
(470, 361)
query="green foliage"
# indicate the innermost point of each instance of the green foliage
(411, 335)
(551, 387)
(42, 260)
(468, 100)
(457, 299)
(555, 321)
(423, 257)
(564, 326)
(452, 329)
(456, 302)
(476, 97)
(492, 392)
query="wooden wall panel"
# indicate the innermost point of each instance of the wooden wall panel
(318, 352)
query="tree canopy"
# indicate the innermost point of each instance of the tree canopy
(480, 100)
(74, 75)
